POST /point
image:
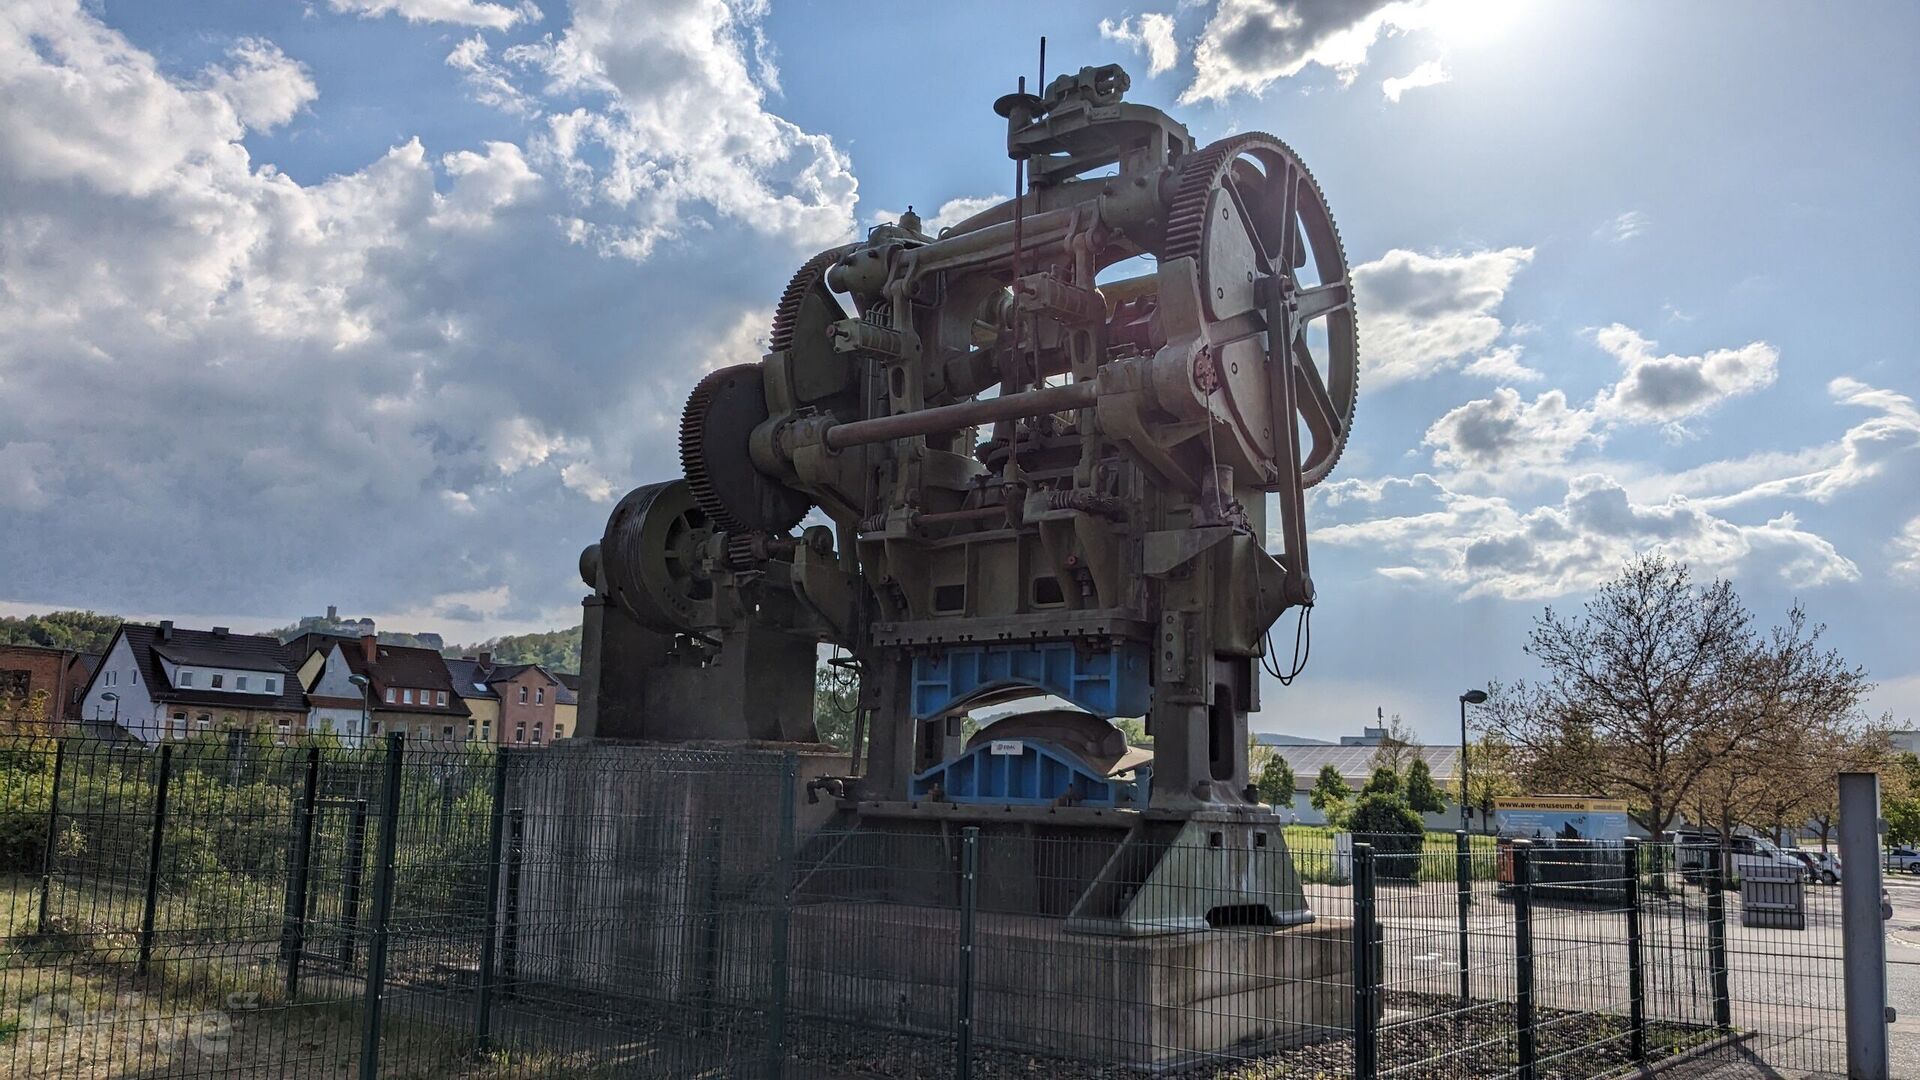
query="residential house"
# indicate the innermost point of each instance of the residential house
(161, 681)
(522, 705)
(42, 679)
(411, 690)
(483, 705)
(566, 713)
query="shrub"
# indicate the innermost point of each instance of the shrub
(1396, 832)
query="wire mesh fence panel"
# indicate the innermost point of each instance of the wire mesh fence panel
(232, 906)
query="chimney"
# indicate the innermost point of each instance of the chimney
(219, 631)
(370, 648)
(486, 660)
(166, 629)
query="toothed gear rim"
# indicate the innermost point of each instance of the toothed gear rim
(720, 416)
(1208, 168)
(787, 314)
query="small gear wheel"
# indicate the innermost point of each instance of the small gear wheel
(719, 418)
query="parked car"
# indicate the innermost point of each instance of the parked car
(1822, 866)
(1903, 859)
(1745, 854)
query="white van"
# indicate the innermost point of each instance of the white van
(1747, 853)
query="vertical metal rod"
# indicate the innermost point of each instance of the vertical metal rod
(293, 936)
(1523, 956)
(969, 902)
(1863, 928)
(155, 845)
(710, 925)
(496, 830)
(1636, 970)
(1717, 940)
(1463, 870)
(1365, 1033)
(382, 909)
(1041, 85)
(356, 859)
(1466, 798)
(53, 833)
(782, 916)
(510, 928)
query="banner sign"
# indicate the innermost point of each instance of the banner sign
(1545, 818)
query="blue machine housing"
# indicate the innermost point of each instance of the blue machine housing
(1041, 773)
(1106, 682)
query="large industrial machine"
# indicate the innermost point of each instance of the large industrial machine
(1061, 448)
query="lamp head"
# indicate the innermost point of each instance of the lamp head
(109, 696)
(1474, 697)
(358, 680)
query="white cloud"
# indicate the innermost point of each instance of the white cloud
(1870, 449)
(265, 88)
(488, 81)
(493, 16)
(1503, 431)
(1502, 364)
(1152, 34)
(1425, 313)
(951, 212)
(236, 372)
(1672, 388)
(1629, 225)
(1247, 45)
(1430, 73)
(1485, 545)
(1905, 549)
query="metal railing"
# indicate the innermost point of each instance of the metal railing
(234, 907)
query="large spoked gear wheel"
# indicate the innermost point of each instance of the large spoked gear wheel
(651, 558)
(715, 426)
(1283, 207)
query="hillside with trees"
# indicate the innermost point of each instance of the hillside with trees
(555, 650)
(80, 631)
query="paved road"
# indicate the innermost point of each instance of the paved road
(1903, 971)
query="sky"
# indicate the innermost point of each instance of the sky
(383, 303)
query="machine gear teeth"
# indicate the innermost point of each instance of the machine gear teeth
(811, 273)
(1186, 227)
(736, 497)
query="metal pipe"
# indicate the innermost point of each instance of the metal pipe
(1863, 928)
(964, 414)
(1119, 292)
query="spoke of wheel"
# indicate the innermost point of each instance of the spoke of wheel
(1289, 213)
(1321, 299)
(1316, 405)
(1263, 263)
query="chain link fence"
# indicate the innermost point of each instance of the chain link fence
(238, 907)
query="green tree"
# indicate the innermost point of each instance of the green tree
(1135, 729)
(1384, 820)
(1331, 796)
(1902, 809)
(836, 699)
(79, 631)
(1422, 794)
(1275, 782)
(555, 650)
(1490, 775)
(1384, 781)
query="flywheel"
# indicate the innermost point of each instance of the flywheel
(1271, 195)
(650, 555)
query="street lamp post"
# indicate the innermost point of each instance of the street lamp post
(366, 703)
(1471, 697)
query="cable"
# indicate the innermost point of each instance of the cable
(1302, 648)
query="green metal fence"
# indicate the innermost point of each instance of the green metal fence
(238, 907)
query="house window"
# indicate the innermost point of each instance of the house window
(203, 722)
(469, 731)
(239, 682)
(110, 678)
(523, 695)
(519, 734)
(486, 732)
(536, 733)
(439, 697)
(286, 730)
(216, 680)
(389, 695)
(273, 685)
(177, 724)
(406, 697)
(447, 732)
(186, 677)
(376, 727)
(539, 695)
(559, 732)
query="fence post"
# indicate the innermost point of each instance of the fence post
(154, 847)
(496, 829)
(1717, 940)
(1863, 928)
(293, 936)
(969, 903)
(1636, 970)
(510, 920)
(1523, 956)
(1463, 869)
(53, 833)
(782, 916)
(1365, 979)
(356, 858)
(382, 908)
